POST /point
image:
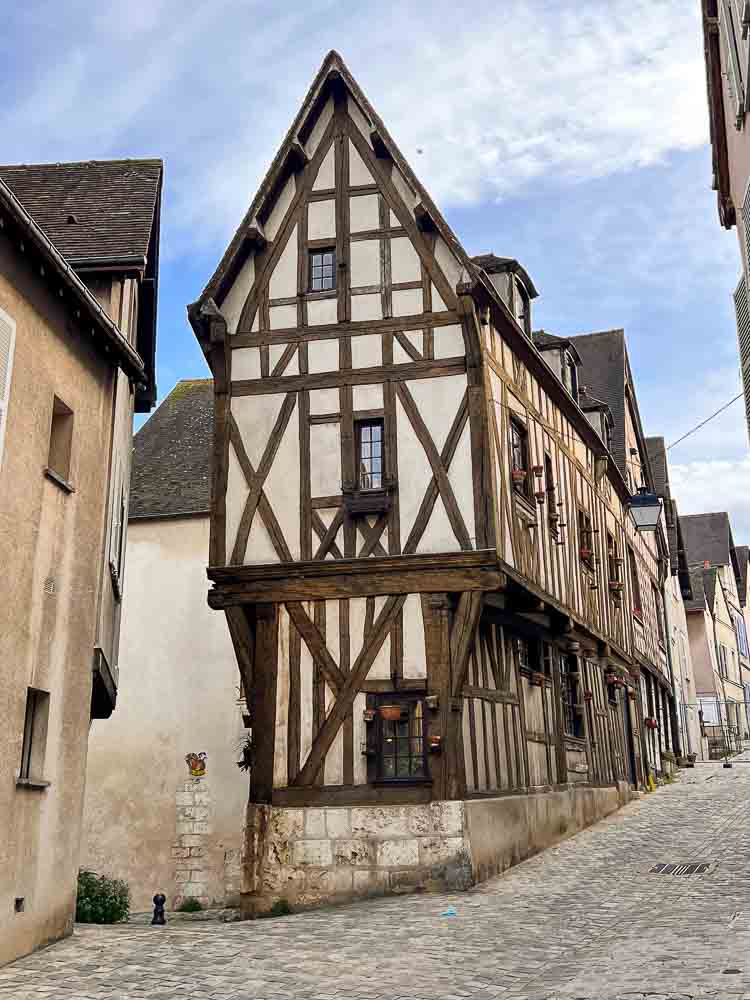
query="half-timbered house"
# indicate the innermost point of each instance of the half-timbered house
(418, 536)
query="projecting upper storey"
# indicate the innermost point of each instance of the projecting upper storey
(379, 393)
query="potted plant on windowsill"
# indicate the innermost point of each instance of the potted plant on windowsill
(391, 713)
(519, 477)
(616, 586)
(538, 678)
(588, 695)
(586, 553)
(650, 723)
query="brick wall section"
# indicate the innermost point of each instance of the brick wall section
(331, 853)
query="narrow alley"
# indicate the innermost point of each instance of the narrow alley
(586, 919)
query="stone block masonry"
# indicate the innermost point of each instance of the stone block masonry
(192, 866)
(312, 855)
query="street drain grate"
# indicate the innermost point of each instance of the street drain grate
(698, 868)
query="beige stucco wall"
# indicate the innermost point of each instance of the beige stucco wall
(178, 694)
(686, 692)
(51, 544)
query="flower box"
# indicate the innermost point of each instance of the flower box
(616, 586)
(540, 496)
(519, 477)
(586, 553)
(588, 695)
(537, 678)
(434, 744)
(538, 470)
(650, 723)
(369, 715)
(391, 713)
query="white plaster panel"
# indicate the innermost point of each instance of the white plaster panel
(364, 213)
(415, 656)
(237, 492)
(470, 786)
(282, 486)
(322, 311)
(479, 736)
(283, 317)
(367, 307)
(283, 282)
(313, 140)
(306, 696)
(255, 416)
(438, 535)
(280, 774)
(367, 397)
(414, 472)
(246, 362)
(275, 351)
(460, 478)
(321, 219)
(333, 767)
(324, 400)
(279, 210)
(400, 357)
(367, 351)
(359, 173)
(405, 261)
(260, 548)
(322, 356)
(448, 342)
(360, 736)
(447, 262)
(407, 302)
(381, 667)
(235, 299)
(393, 219)
(404, 188)
(438, 400)
(325, 460)
(364, 262)
(332, 631)
(326, 178)
(492, 781)
(437, 302)
(359, 119)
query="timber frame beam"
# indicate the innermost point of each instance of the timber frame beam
(344, 578)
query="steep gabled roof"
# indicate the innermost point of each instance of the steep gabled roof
(708, 538)
(657, 456)
(493, 264)
(603, 374)
(113, 203)
(172, 454)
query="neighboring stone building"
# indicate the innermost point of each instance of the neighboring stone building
(146, 819)
(78, 279)
(418, 538)
(726, 43)
(717, 630)
(676, 592)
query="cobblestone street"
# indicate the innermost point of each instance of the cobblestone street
(584, 920)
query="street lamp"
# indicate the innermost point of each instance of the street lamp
(646, 509)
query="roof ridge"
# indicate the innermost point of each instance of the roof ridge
(85, 163)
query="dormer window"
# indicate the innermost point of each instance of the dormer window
(521, 307)
(570, 374)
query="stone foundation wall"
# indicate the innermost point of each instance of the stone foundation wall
(314, 855)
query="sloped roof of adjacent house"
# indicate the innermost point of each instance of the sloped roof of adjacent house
(172, 454)
(603, 374)
(113, 203)
(708, 538)
(703, 589)
(657, 456)
(493, 264)
(743, 554)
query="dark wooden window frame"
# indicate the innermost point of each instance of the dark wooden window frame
(520, 458)
(377, 732)
(320, 271)
(33, 747)
(553, 517)
(535, 656)
(586, 539)
(635, 585)
(359, 444)
(570, 693)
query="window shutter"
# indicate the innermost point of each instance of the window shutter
(742, 310)
(7, 343)
(732, 59)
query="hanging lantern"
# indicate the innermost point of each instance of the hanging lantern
(646, 510)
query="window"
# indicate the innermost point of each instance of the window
(34, 735)
(586, 539)
(401, 726)
(322, 270)
(60, 440)
(607, 432)
(570, 374)
(7, 343)
(722, 660)
(613, 560)
(635, 584)
(519, 450)
(369, 438)
(569, 691)
(118, 531)
(534, 656)
(741, 630)
(549, 480)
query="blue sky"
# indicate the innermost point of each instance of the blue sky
(571, 134)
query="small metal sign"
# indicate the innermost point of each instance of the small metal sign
(695, 868)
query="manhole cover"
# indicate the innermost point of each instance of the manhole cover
(697, 868)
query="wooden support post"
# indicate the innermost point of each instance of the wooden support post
(263, 701)
(436, 617)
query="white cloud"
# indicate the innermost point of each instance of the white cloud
(496, 99)
(715, 485)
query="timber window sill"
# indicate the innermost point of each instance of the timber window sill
(58, 480)
(35, 784)
(369, 501)
(400, 782)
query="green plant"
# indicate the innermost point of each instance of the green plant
(190, 905)
(280, 908)
(101, 900)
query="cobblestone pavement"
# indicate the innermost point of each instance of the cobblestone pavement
(582, 920)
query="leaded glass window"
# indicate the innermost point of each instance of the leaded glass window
(322, 270)
(402, 742)
(370, 454)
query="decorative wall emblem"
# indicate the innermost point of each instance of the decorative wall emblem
(196, 763)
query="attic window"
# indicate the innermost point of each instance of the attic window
(521, 306)
(570, 374)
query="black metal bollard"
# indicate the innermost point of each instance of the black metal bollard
(159, 901)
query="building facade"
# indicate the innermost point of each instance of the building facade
(726, 42)
(78, 271)
(419, 539)
(151, 816)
